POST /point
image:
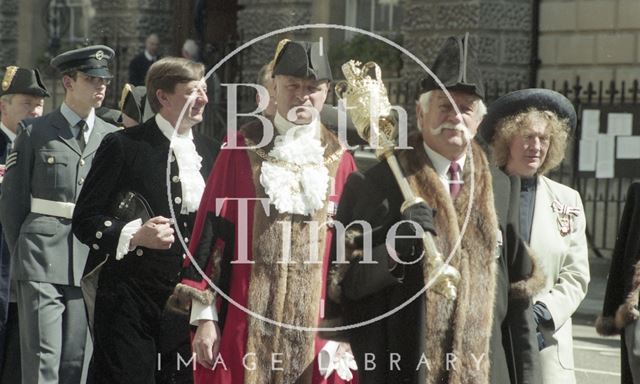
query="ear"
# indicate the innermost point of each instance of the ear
(161, 95)
(67, 82)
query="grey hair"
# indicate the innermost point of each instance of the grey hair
(191, 47)
(6, 98)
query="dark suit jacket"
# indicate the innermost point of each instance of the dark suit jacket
(135, 159)
(376, 198)
(138, 68)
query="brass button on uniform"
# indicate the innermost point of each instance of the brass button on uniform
(51, 159)
(95, 246)
(82, 162)
(177, 200)
(98, 235)
(139, 252)
(81, 181)
(108, 223)
(175, 179)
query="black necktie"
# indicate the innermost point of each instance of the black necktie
(82, 127)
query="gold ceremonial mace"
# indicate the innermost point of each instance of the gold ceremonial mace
(369, 108)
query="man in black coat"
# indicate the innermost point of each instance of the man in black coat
(140, 64)
(486, 334)
(133, 342)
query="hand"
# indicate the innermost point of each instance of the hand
(156, 233)
(206, 343)
(542, 316)
(420, 214)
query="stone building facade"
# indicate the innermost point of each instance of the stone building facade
(597, 40)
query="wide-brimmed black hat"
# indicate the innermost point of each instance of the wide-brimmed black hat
(133, 102)
(92, 61)
(302, 59)
(23, 81)
(456, 68)
(522, 100)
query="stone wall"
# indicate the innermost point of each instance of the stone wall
(597, 40)
(8, 31)
(500, 31)
(124, 25)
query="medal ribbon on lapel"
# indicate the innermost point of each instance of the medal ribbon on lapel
(564, 214)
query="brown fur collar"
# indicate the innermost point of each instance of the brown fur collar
(463, 326)
(627, 311)
(286, 293)
(528, 287)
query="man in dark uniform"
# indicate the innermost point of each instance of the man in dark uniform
(140, 64)
(21, 96)
(143, 259)
(46, 171)
(486, 333)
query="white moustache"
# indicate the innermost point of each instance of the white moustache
(456, 127)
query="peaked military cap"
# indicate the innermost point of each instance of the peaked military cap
(23, 81)
(133, 102)
(302, 59)
(522, 100)
(92, 61)
(455, 68)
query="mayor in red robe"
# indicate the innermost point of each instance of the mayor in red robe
(262, 236)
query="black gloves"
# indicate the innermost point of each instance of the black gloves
(543, 319)
(422, 215)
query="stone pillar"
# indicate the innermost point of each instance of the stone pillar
(124, 25)
(8, 31)
(501, 35)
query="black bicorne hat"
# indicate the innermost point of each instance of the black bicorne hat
(522, 100)
(455, 68)
(92, 61)
(133, 102)
(16, 80)
(302, 59)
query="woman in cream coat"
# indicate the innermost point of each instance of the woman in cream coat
(528, 132)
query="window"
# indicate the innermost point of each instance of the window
(383, 17)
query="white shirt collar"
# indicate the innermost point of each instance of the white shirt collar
(148, 56)
(73, 117)
(441, 163)
(8, 132)
(167, 129)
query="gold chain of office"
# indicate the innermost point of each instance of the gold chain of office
(294, 167)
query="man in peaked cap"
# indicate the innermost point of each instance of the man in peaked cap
(50, 160)
(22, 96)
(486, 334)
(291, 177)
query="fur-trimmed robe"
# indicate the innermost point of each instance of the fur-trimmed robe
(285, 293)
(477, 331)
(623, 284)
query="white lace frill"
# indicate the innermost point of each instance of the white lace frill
(189, 164)
(296, 180)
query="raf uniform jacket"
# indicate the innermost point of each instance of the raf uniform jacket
(47, 164)
(365, 291)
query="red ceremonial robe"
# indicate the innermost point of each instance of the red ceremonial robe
(233, 177)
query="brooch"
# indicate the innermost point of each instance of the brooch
(564, 215)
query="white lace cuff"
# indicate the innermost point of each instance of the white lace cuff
(124, 242)
(200, 311)
(333, 358)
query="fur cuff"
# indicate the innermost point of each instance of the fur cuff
(528, 287)
(337, 272)
(605, 326)
(180, 300)
(626, 313)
